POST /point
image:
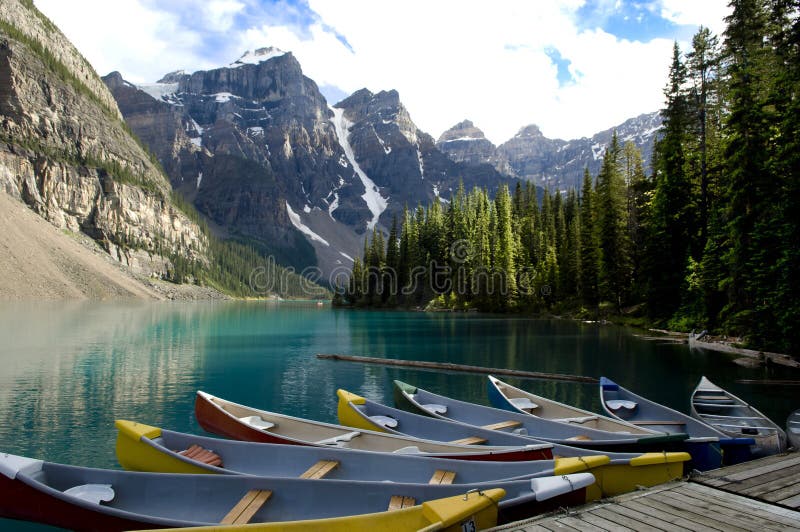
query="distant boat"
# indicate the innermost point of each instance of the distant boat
(623, 473)
(734, 417)
(86, 499)
(143, 447)
(793, 429)
(241, 422)
(503, 395)
(705, 442)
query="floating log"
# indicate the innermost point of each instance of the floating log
(447, 366)
(770, 382)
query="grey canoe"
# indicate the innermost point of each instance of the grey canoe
(83, 498)
(506, 397)
(577, 435)
(793, 429)
(137, 442)
(735, 418)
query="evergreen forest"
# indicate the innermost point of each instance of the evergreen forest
(707, 239)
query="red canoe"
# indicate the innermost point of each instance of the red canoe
(240, 422)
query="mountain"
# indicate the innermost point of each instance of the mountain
(266, 160)
(66, 152)
(553, 163)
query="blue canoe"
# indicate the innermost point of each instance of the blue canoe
(704, 443)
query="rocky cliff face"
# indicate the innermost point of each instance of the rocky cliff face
(553, 163)
(258, 150)
(65, 151)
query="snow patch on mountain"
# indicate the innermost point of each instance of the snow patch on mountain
(421, 164)
(160, 91)
(259, 56)
(300, 226)
(372, 196)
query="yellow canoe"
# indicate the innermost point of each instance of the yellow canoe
(475, 510)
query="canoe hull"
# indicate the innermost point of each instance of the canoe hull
(735, 418)
(213, 420)
(793, 429)
(25, 503)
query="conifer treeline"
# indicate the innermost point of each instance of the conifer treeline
(710, 239)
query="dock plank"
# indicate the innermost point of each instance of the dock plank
(764, 489)
(614, 516)
(764, 510)
(747, 470)
(718, 516)
(579, 524)
(665, 514)
(592, 518)
(645, 517)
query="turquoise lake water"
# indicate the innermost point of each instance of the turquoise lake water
(70, 370)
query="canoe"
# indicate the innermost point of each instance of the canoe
(471, 511)
(732, 416)
(615, 472)
(82, 498)
(506, 397)
(793, 429)
(427, 403)
(706, 444)
(143, 447)
(240, 422)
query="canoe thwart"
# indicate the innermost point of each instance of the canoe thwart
(199, 454)
(339, 440)
(442, 477)
(94, 493)
(435, 409)
(320, 469)
(384, 421)
(471, 440)
(503, 425)
(523, 403)
(622, 404)
(247, 507)
(398, 502)
(257, 422)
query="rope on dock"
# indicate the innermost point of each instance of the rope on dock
(448, 366)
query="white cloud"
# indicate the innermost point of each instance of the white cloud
(449, 59)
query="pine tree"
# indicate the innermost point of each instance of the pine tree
(615, 258)
(590, 248)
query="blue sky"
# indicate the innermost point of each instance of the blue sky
(573, 67)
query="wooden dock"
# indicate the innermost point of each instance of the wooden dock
(759, 495)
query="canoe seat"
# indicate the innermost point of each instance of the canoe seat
(398, 502)
(652, 422)
(384, 421)
(435, 409)
(583, 419)
(622, 404)
(339, 440)
(94, 493)
(257, 423)
(502, 425)
(205, 456)
(442, 477)
(320, 469)
(580, 437)
(471, 440)
(411, 449)
(247, 507)
(523, 403)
